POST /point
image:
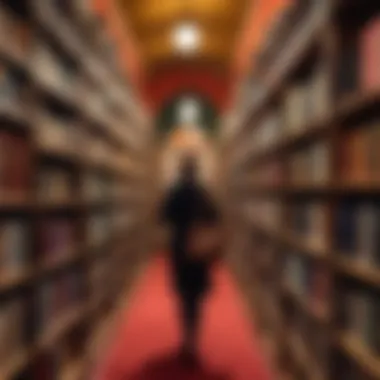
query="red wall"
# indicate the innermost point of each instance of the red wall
(169, 82)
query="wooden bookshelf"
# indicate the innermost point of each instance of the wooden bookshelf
(74, 163)
(304, 191)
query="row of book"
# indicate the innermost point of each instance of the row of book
(13, 331)
(356, 232)
(59, 184)
(56, 184)
(359, 58)
(60, 362)
(270, 173)
(311, 165)
(15, 163)
(282, 30)
(307, 341)
(24, 320)
(15, 33)
(99, 229)
(57, 239)
(359, 155)
(15, 244)
(307, 279)
(58, 296)
(308, 222)
(53, 72)
(11, 88)
(306, 100)
(362, 314)
(265, 212)
(99, 276)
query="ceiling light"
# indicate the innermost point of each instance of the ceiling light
(186, 38)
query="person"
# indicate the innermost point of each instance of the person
(186, 205)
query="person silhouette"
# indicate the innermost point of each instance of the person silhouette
(186, 204)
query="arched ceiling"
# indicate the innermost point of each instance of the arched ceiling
(152, 22)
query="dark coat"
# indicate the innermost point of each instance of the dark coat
(186, 205)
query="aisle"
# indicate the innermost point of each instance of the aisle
(145, 343)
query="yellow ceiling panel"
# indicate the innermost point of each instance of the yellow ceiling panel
(154, 20)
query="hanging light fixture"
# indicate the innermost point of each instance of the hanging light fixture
(186, 38)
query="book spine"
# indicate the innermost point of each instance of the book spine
(370, 55)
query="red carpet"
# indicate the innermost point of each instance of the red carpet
(148, 337)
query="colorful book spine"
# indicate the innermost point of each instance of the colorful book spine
(14, 245)
(370, 55)
(345, 234)
(11, 329)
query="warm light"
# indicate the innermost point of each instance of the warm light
(186, 38)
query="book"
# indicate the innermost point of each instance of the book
(373, 151)
(368, 233)
(354, 157)
(319, 286)
(295, 108)
(317, 237)
(15, 164)
(370, 55)
(54, 185)
(11, 329)
(9, 94)
(362, 308)
(319, 94)
(319, 164)
(349, 63)
(56, 239)
(345, 231)
(14, 248)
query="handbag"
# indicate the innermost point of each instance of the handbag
(205, 241)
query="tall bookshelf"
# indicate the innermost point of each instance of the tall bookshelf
(304, 193)
(74, 160)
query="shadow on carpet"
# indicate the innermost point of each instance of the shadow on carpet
(170, 367)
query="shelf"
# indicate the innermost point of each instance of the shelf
(60, 327)
(10, 283)
(302, 42)
(11, 56)
(11, 202)
(357, 351)
(319, 314)
(14, 114)
(19, 361)
(348, 189)
(351, 104)
(73, 370)
(56, 27)
(51, 336)
(367, 273)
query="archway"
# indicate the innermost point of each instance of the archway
(167, 119)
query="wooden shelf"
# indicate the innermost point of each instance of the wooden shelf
(73, 370)
(118, 163)
(304, 40)
(317, 313)
(16, 364)
(313, 130)
(61, 327)
(362, 271)
(357, 351)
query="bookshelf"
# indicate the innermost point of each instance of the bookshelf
(303, 188)
(74, 163)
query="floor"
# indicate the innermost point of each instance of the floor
(147, 337)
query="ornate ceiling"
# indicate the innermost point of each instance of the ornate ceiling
(152, 23)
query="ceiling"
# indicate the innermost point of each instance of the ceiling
(152, 22)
